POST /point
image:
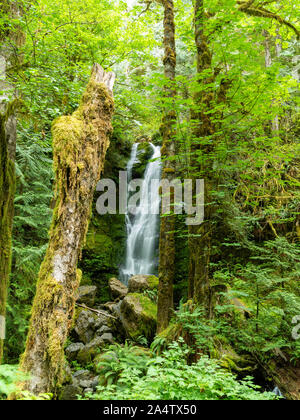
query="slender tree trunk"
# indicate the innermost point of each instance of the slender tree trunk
(268, 62)
(167, 228)
(80, 143)
(7, 167)
(201, 163)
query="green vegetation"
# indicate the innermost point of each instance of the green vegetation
(204, 380)
(233, 109)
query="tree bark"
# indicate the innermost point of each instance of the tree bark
(167, 228)
(268, 63)
(201, 163)
(80, 143)
(7, 193)
(8, 137)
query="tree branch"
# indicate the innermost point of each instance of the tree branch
(249, 8)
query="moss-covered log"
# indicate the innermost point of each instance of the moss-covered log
(80, 143)
(167, 228)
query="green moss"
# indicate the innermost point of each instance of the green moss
(146, 323)
(7, 191)
(169, 170)
(153, 282)
(171, 333)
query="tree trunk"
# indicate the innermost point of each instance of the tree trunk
(268, 63)
(167, 228)
(80, 143)
(7, 176)
(7, 193)
(201, 163)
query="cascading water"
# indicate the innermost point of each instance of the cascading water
(143, 226)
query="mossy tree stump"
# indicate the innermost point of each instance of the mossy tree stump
(80, 143)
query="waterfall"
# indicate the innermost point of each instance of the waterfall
(143, 227)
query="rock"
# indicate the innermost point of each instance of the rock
(81, 375)
(70, 393)
(102, 330)
(91, 383)
(85, 384)
(144, 154)
(141, 282)
(90, 350)
(87, 295)
(107, 338)
(109, 306)
(117, 289)
(139, 316)
(72, 350)
(87, 323)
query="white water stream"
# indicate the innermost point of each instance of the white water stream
(143, 227)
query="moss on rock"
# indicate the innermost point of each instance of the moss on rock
(139, 316)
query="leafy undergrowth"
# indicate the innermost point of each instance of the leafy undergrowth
(169, 377)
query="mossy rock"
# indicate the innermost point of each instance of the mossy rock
(142, 282)
(139, 316)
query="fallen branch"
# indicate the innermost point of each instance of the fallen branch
(97, 311)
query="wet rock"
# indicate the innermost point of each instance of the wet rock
(87, 295)
(139, 316)
(118, 290)
(72, 350)
(140, 283)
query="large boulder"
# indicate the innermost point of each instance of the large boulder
(138, 315)
(142, 282)
(117, 289)
(86, 295)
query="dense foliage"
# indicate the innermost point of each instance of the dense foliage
(169, 377)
